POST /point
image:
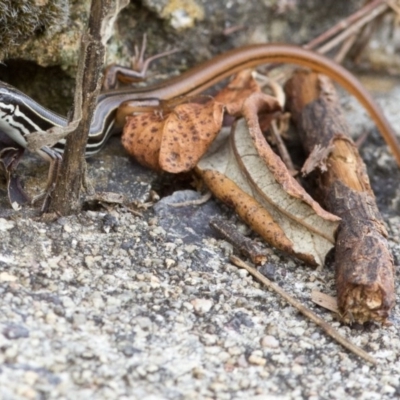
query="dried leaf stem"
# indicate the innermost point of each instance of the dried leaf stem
(334, 334)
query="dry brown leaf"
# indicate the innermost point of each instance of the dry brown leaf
(251, 212)
(247, 160)
(239, 88)
(187, 134)
(141, 138)
(175, 141)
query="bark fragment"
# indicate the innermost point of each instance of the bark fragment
(364, 264)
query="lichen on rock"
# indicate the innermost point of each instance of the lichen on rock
(21, 20)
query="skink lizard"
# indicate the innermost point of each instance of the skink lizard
(20, 115)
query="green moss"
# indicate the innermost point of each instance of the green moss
(22, 19)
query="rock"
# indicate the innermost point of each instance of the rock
(269, 341)
(202, 306)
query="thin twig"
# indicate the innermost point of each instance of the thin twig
(343, 24)
(349, 27)
(333, 333)
(361, 139)
(344, 49)
(66, 196)
(394, 6)
(353, 29)
(245, 245)
(282, 149)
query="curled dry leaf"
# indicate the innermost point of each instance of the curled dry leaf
(249, 209)
(188, 132)
(237, 91)
(141, 138)
(175, 141)
(249, 163)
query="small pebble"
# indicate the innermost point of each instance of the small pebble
(6, 277)
(202, 306)
(15, 331)
(257, 360)
(6, 225)
(269, 341)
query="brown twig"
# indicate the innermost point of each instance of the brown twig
(348, 27)
(394, 6)
(233, 29)
(245, 245)
(333, 333)
(344, 24)
(282, 149)
(344, 49)
(356, 26)
(364, 264)
(66, 196)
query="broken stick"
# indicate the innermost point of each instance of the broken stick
(364, 264)
(244, 244)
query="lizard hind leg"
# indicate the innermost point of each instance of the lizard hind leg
(115, 73)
